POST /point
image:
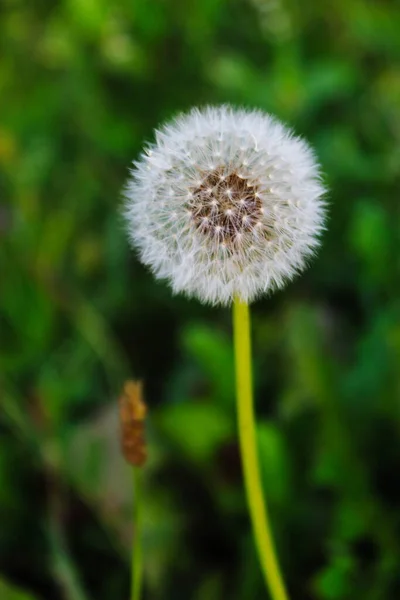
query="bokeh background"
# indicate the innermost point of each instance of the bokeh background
(82, 85)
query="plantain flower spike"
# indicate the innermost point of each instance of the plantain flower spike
(226, 203)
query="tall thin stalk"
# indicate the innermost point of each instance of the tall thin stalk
(248, 446)
(137, 557)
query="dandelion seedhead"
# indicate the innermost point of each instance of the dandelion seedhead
(225, 203)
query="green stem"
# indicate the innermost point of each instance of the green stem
(248, 446)
(137, 563)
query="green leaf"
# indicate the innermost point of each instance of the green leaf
(274, 461)
(213, 351)
(196, 428)
(11, 592)
(334, 582)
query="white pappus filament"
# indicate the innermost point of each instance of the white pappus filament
(225, 203)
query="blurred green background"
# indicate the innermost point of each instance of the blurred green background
(82, 85)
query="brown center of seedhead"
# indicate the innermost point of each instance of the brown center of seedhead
(224, 207)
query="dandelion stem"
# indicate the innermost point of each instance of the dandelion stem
(248, 445)
(137, 563)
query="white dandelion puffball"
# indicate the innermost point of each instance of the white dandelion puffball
(226, 203)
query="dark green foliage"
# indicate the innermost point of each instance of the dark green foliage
(82, 85)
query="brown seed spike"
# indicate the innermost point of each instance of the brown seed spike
(132, 412)
(225, 206)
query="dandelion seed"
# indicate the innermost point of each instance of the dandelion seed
(271, 183)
